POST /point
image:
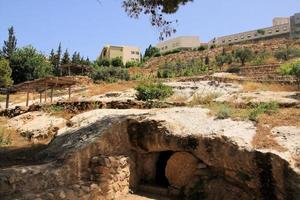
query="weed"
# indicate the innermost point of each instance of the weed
(224, 112)
(267, 108)
(203, 99)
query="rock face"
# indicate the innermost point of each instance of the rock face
(115, 152)
(36, 125)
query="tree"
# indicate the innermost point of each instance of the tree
(5, 73)
(28, 64)
(52, 57)
(151, 51)
(57, 61)
(103, 62)
(66, 58)
(76, 58)
(156, 10)
(117, 62)
(10, 45)
(243, 55)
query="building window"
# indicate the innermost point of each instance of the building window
(242, 37)
(249, 36)
(277, 30)
(284, 28)
(223, 41)
(132, 52)
(255, 35)
(270, 31)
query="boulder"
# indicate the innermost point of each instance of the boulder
(181, 168)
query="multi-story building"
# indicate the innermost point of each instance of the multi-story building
(183, 42)
(282, 28)
(126, 53)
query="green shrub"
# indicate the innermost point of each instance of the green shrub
(171, 52)
(261, 31)
(103, 62)
(110, 74)
(202, 48)
(117, 62)
(224, 112)
(292, 68)
(233, 69)
(182, 68)
(267, 108)
(287, 53)
(132, 64)
(149, 90)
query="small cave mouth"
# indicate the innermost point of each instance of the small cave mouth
(161, 164)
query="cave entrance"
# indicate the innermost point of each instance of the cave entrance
(160, 176)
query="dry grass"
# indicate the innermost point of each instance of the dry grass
(204, 99)
(284, 117)
(98, 89)
(251, 86)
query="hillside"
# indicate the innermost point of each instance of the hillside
(258, 48)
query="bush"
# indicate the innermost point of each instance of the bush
(171, 52)
(292, 68)
(243, 55)
(117, 62)
(179, 68)
(150, 90)
(224, 112)
(103, 62)
(202, 48)
(234, 69)
(287, 53)
(5, 73)
(132, 64)
(110, 74)
(267, 108)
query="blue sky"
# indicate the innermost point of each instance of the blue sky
(86, 25)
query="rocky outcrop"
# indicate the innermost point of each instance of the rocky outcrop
(105, 157)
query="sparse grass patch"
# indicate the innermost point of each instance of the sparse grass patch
(252, 86)
(203, 99)
(268, 108)
(224, 112)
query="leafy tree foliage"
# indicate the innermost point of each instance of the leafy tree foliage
(151, 51)
(223, 58)
(103, 62)
(287, 53)
(5, 73)
(10, 45)
(110, 74)
(76, 58)
(292, 68)
(66, 58)
(243, 55)
(155, 9)
(28, 64)
(117, 62)
(132, 64)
